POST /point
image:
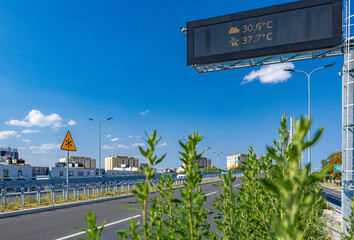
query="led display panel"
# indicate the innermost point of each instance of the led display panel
(287, 28)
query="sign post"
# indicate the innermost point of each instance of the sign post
(68, 145)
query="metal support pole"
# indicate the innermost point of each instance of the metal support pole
(99, 153)
(347, 116)
(67, 177)
(22, 196)
(66, 191)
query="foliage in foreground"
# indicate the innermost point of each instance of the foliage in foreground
(278, 199)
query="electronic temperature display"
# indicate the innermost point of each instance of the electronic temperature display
(300, 26)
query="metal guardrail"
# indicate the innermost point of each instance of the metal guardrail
(336, 208)
(79, 188)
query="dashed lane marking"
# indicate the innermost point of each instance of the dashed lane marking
(107, 225)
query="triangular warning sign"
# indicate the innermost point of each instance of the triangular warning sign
(68, 143)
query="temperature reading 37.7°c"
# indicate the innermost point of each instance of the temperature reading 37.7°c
(251, 33)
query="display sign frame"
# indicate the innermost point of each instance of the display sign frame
(325, 43)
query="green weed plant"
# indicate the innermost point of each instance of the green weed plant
(278, 198)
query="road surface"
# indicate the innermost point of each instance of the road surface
(59, 224)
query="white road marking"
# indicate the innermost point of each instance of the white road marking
(211, 193)
(237, 185)
(107, 225)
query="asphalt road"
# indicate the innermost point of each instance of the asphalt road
(59, 224)
(333, 195)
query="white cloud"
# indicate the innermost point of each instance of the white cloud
(8, 134)
(138, 137)
(107, 147)
(26, 140)
(122, 146)
(21, 148)
(162, 144)
(145, 112)
(72, 122)
(109, 136)
(138, 144)
(36, 118)
(270, 74)
(44, 148)
(115, 139)
(130, 136)
(30, 131)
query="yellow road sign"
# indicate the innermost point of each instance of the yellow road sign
(68, 143)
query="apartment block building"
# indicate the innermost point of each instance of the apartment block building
(121, 162)
(78, 162)
(235, 160)
(203, 162)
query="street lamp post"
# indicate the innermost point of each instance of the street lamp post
(217, 158)
(99, 142)
(206, 149)
(309, 98)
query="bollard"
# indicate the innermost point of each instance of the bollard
(63, 187)
(114, 187)
(109, 186)
(54, 197)
(77, 191)
(85, 188)
(101, 187)
(97, 189)
(93, 188)
(128, 186)
(74, 191)
(121, 187)
(88, 190)
(38, 194)
(22, 195)
(4, 196)
(106, 187)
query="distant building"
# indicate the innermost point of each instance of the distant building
(203, 162)
(73, 172)
(168, 170)
(10, 156)
(235, 160)
(13, 171)
(126, 169)
(121, 162)
(40, 171)
(77, 162)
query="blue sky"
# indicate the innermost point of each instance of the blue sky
(64, 61)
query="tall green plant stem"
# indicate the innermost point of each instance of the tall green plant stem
(191, 224)
(145, 206)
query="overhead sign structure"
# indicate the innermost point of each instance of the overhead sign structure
(337, 167)
(287, 28)
(68, 143)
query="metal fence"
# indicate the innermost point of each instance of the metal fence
(25, 192)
